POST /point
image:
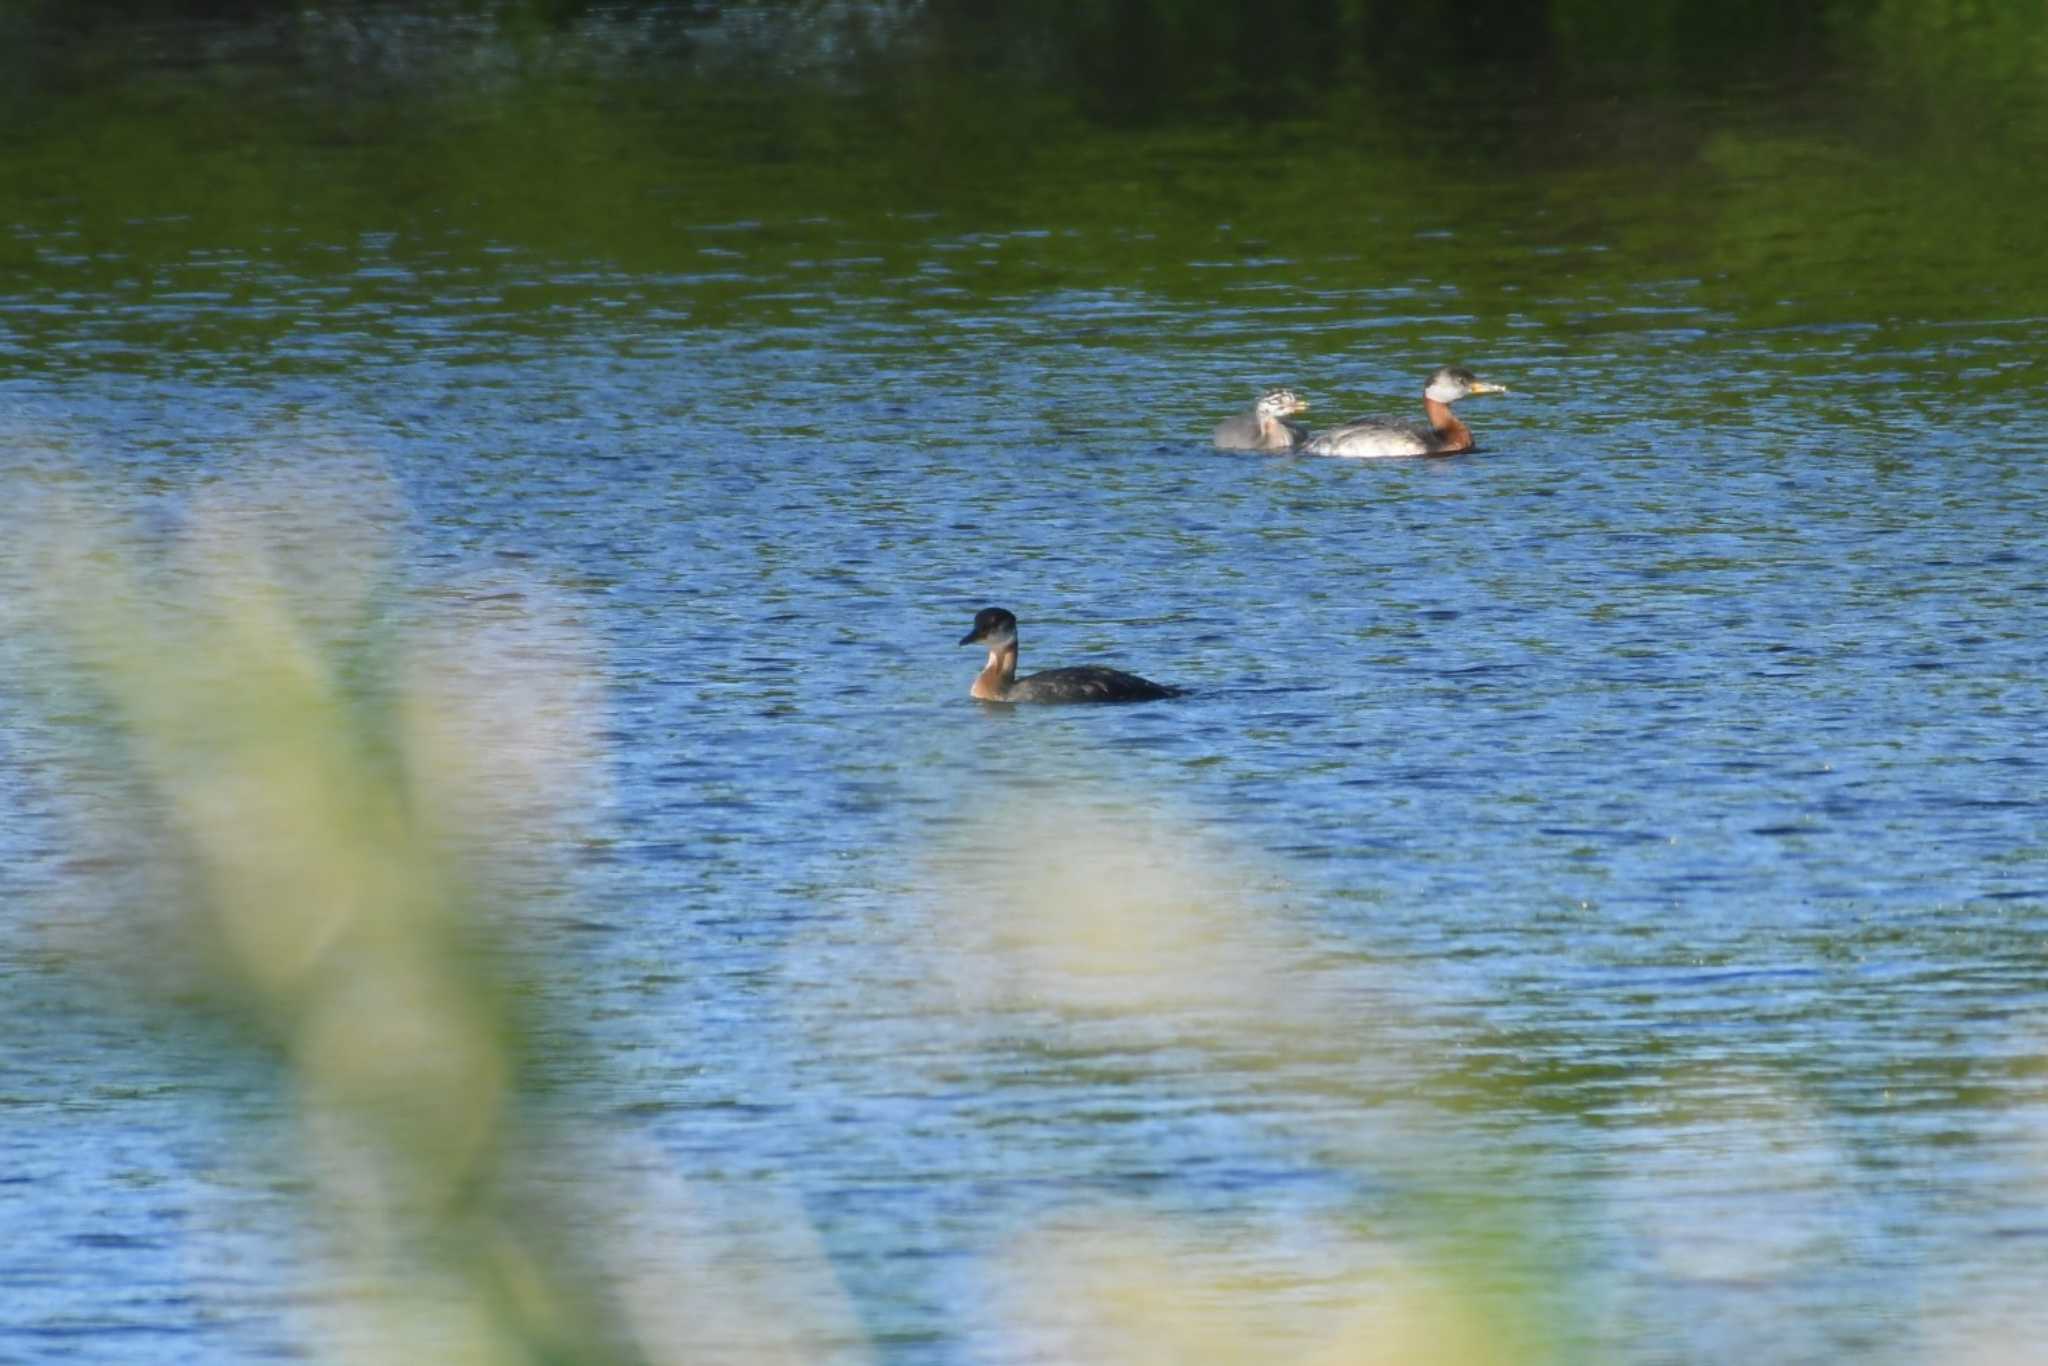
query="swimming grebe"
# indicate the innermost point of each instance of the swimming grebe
(1265, 428)
(1444, 435)
(998, 681)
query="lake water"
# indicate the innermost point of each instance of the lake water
(1618, 858)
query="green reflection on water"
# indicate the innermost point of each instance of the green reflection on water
(1857, 163)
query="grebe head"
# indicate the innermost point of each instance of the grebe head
(994, 627)
(1454, 382)
(1280, 403)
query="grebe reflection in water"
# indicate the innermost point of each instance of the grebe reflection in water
(1445, 435)
(1265, 426)
(996, 628)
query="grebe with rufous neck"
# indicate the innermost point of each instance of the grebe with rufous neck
(1445, 435)
(996, 628)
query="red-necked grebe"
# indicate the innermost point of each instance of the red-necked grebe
(1265, 427)
(1444, 435)
(998, 681)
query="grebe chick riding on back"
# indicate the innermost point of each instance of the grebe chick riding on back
(998, 682)
(1265, 426)
(1445, 435)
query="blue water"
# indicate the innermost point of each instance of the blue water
(1635, 829)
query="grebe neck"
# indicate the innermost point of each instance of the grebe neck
(992, 684)
(1452, 436)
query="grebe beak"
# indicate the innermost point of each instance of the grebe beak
(970, 637)
(1480, 386)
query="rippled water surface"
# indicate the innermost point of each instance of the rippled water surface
(1638, 824)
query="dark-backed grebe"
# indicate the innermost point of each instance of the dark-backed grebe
(998, 681)
(1444, 435)
(1265, 427)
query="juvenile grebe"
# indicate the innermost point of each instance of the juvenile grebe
(998, 681)
(1265, 427)
(1444, 435)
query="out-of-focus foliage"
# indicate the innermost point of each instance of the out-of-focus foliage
(327, 794)
(316, 822)
(334, 804)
